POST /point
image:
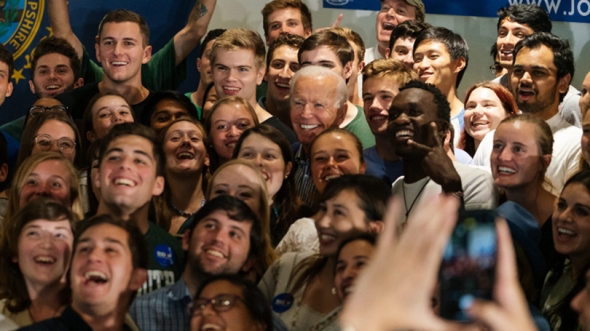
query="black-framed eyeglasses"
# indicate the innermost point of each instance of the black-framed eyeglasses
(219, 303)
(37, 110)
(44, 142)
(496, 68)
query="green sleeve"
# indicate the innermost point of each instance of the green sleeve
(161, 72)
(90, 70)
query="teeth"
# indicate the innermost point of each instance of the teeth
(95, 275)
(118, 63)
(308, 127)
(185, 155)
(123, 181)
(404, 133)
(231, 88)
(44, 259)
(388, 26)
(327, 237)
(506, 170)
(209, 326)
(329, 178)
(566, 231)
(348, 289)
(52, 87)
(232, 144)
(479, 123)
(378, 118)
(215, 253)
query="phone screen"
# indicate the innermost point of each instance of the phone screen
(469, 261)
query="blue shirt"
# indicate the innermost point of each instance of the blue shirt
(384, 170)
(163, 309)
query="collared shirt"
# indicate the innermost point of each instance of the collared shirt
(303, 181)
(163, 309)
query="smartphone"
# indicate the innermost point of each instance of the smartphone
(468, 267)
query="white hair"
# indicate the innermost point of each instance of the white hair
(320, 72)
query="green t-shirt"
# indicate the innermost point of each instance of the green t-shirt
(199, 109)
(166, 259)
(361, 129)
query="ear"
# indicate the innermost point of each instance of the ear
(546, 161)
(198, 64)
(158, 186)
(186, 240)
(147, 54)
(207, 161)
(340, 115)
(347, 72)
(96, 180)
(260, 75)
(79, 82)
(387, 53)
(3, 172)
(32, 86)
(363, 168)
(376, 226)
(248, 264)
(564, 83)
(460, 64)
(97, 49)
(288, 168)
(361, 67)
(138, 277)
(91, 136)
(306, 33)
(9, 88)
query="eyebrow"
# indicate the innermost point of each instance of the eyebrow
(135, 151)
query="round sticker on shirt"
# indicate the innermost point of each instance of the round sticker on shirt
(164, 256)
(282, 302)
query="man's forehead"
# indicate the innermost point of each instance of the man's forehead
(293, 13)
(542, 56)
(414, 95)
(130, 30)
(513, 23)
(105, 232)
(134, 142)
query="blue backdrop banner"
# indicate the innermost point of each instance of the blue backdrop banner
(560, 10)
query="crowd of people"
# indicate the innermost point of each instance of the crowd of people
(308, 183)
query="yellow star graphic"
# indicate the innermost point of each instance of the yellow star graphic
(17, 75)
(50, 31)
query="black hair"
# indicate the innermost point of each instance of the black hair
(4, 160)
(369, 237)
(136, 240)
(454, 43)
(407, 29)
(533, 16)
(237, 210)
(52, 45)
(337, 43)
(6, 57)
(182, 100)
(211, 35)
(252, 297)
(134, 129)
(443, 106)
(291, 40)
(563, 57)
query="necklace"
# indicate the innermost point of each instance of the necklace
(181, 212)
(408, 210)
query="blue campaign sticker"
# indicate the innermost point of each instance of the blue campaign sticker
(164, 255)
(282, 302)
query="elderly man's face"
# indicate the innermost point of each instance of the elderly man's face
(313, 107)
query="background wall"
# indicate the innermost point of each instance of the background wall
(166, 17)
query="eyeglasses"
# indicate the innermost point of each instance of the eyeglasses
(44, 142)
(496, 68)
(222, 302)
(37, 110)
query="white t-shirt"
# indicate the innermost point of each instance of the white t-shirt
(478, 190)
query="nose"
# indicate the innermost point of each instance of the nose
(307, 111)
(286, 72)
(117, 118)
(258, 160)
(322, 220)
(331, 162)
(47, 241)
(505, 154)
(42, 190)
(350, 272)
(425, 63)
(233, 131)
(408, 60)
(376, 104)
(118, 48)
(526, 78)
